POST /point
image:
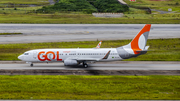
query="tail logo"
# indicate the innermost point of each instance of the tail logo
(139, 42)
(99, 45)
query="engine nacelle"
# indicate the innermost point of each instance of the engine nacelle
(70, 62)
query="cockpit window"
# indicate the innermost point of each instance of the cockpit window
(26, 53)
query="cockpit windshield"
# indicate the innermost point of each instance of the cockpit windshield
(26, 53)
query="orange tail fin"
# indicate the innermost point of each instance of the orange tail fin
(139, 42)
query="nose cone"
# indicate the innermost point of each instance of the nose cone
(20, 57)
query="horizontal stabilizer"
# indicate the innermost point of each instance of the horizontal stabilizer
(141, 50)
(145, 50)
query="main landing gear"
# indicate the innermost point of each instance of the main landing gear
(85, 65)
(31, 64)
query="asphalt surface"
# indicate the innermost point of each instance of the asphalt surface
(119, 65)
(82, 32)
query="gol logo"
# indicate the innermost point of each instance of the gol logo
(45, 56)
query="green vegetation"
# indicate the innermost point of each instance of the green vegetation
(157, 4)
(85, 7)
(73, 18)
(112, 6)
(19, 11)
(160, 49)
(34, 2)
(10, 33)
(69, 5)
(77, 12)
(90, 87)
(136, 11)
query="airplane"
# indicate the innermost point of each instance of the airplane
(84, 56)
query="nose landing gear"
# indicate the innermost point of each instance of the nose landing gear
(31, 64)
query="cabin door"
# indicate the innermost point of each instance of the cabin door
(34, 54)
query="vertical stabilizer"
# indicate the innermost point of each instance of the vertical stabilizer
(139, 42)
(137, 46)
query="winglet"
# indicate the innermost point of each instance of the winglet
(107, 55)
(99, 44)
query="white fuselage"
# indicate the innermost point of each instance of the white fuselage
(59, 55)
(72, 57)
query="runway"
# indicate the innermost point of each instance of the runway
(120, 65)
(82, 32)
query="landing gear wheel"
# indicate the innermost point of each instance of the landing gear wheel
(85, 65)
(31, 65)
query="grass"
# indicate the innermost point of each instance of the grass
(19, 11)
(159, 5)
(35, 2)
(133, 16)
(10, 33)
(135, 11)
(64, 18)
(90, 87)
(160, 49)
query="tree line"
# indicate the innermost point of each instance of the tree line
(86, 6)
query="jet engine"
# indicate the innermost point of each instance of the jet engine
(70, 62)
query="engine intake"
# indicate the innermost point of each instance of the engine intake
(70, 62)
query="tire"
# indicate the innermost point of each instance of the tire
(85, 65)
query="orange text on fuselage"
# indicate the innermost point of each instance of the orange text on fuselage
(45, 56)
